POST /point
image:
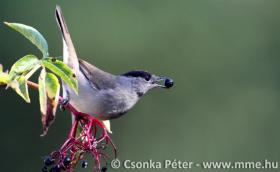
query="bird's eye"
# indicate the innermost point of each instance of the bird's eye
(147, 78)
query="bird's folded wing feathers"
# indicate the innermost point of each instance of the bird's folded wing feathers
(98, 78)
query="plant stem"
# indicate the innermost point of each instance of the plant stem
(32, 85)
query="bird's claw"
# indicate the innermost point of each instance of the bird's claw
(63, 103)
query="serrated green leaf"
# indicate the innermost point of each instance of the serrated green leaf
(21, 88)
(23, 65)
(49, 94)
(31, 34)
(63, 71)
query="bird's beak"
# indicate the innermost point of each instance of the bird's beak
(161, 81)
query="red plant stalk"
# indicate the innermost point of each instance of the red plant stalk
(80, 143)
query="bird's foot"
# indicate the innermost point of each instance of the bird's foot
(63, 102)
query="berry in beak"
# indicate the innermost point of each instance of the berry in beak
(163, 82)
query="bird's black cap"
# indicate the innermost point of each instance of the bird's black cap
(138, 73)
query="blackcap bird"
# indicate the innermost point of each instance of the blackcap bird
(101, 94)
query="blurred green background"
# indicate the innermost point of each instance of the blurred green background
(223, 55)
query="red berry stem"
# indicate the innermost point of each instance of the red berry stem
(78, 144)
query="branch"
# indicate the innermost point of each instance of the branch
(31, 84)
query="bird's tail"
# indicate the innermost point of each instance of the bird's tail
(69, 53)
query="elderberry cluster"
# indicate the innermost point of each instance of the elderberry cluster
(51, 164)
(80, 143)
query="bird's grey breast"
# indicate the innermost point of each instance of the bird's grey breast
(115, 101)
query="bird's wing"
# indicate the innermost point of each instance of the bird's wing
(69, 53)
(97, 77)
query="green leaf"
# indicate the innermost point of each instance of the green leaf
(63, 71)
(42, 91)
(20, 72)
(49, 94)
(21, 88)
(3, 76)
(32, 35)
(52, 87)
(23, 66)
(32, 71)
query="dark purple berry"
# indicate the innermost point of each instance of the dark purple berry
(85, 164)
(67, 161)
(168, 83)
(55, 169)
(48, 161)
(104, 169)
